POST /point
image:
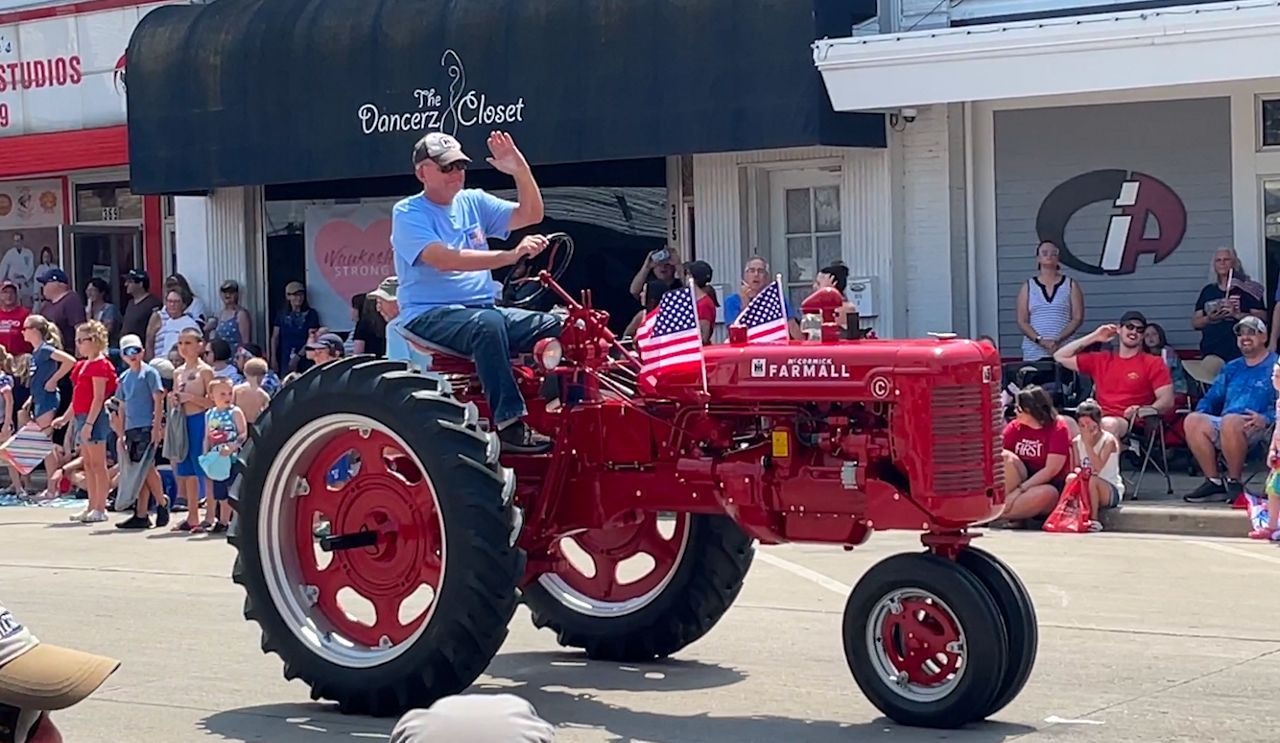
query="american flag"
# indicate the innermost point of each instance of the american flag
(669, 338)
(766, 317)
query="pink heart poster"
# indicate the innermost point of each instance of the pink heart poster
(348, 253)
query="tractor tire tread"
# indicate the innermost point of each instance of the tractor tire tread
(707, 582)
(465, 631)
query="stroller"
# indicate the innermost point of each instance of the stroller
(1065, 387)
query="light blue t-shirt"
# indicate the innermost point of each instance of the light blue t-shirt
(137, 390)
(467, 223)
(1240, 389)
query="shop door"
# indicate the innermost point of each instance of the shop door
(806, 224)
(103, 252)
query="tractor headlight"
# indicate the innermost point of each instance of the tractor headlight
(548, 353)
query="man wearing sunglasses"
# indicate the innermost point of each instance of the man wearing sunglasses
(1124, 379)
(37, 678)
(440, 240)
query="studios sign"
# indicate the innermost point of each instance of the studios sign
(447, 111)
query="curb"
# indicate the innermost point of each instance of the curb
(1190, 521)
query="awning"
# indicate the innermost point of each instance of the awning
(250, 92)
(1185, 45)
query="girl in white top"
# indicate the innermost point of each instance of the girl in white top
(1102, 449)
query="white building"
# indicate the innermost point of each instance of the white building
(995, 103)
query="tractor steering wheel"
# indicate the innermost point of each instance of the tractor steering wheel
(555, 259)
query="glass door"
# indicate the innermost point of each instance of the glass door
(1271, 232)
(104, 252)
(808, 233)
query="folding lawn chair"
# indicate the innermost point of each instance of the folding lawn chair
(1149, 430)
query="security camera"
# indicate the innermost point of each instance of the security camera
(908, 115)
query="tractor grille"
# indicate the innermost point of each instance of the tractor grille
(965, 427)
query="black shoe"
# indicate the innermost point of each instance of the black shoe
(162, 515)
(135, 522)
(1208, 492)
(518, 438)
(1234, 488)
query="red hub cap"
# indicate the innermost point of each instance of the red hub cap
(368, 538)
(623, 566)
(918, 644)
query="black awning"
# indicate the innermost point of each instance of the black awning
(254, 92)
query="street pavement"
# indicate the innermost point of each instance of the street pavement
(1143, 638)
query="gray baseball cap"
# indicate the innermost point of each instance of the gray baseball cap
(439, 148)
(474, 718)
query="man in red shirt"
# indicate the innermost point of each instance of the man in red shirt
(1124, 379)
(12, 317)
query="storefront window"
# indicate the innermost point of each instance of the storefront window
(1271, 231)
(811, 228)
(107, 202)
(340, 249)
(1271, 123)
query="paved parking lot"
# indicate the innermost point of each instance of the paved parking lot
(1143, 638)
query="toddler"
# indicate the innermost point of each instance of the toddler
(250, 396)
(1102, 449)
(1270, 531)
(225, 432)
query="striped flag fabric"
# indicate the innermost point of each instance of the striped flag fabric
(765, 318)
(669, 339)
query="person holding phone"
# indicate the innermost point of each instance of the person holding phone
(659, 265)
(1221, 304)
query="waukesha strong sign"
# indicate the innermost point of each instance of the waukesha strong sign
(444, 111)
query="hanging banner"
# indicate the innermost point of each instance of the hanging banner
(348, 253)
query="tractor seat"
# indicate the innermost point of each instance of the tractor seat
(441, 359)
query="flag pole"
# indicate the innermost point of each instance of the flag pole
(702, 357)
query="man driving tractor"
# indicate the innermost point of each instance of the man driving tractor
(442, 257)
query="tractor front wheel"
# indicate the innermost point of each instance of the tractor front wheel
(1020, 621)
(925, 641)
(645, 590)
(375, 537)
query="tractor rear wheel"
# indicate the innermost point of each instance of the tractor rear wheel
(697, 564)
(375, 540)
(1020, 621)
(925, 641)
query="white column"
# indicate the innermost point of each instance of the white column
(213, 242)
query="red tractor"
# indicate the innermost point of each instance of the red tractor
(384, 541)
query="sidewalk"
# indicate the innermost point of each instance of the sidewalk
(1154, 511)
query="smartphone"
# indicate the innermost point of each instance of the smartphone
(660, 255)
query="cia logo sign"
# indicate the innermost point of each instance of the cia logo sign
(880, 387)
(757, 367)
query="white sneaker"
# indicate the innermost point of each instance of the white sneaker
(80, 516)
(94, 517)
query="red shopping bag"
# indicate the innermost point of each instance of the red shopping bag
(1073, 512)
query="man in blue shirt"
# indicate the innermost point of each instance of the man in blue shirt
(440, 239)
(1237, 413)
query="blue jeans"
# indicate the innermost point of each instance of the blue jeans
(490, 336)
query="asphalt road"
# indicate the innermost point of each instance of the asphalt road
(1143, 638)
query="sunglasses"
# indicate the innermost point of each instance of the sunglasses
(1247, 331)
(451, 167)
(130, 352)
(1134, 327)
